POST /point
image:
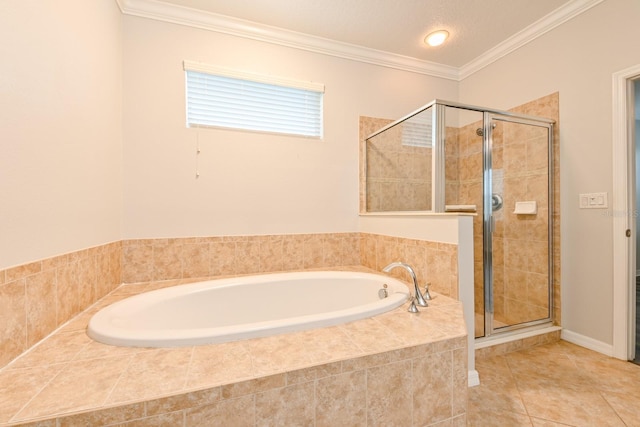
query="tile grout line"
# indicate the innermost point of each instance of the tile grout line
(516, 382)
(115, 384)
(63, 369)
(185, 388)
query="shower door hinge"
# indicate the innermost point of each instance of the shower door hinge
(627, 233)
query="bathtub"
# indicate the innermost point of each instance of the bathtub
(232, 309)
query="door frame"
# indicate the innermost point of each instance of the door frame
(623, 213)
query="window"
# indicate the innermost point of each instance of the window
(218, 97)
(416, 132)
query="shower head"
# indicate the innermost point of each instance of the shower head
(480, 132)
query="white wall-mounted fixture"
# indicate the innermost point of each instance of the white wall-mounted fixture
(526, 208)
(594, 201)
(436, 38)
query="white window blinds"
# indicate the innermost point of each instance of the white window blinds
(218, 97)
(417, 133)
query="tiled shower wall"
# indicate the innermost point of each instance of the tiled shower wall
(549, 107)
(520, 293)
(38, 297)
(520, 251)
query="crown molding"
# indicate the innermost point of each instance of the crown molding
(166, 12)
(120, 5)
(530, 33)
(158, 10)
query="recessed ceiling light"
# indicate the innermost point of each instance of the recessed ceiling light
(436, 38)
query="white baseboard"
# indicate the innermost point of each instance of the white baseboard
(586, 342)
(473, 378)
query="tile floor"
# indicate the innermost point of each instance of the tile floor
(558, 384)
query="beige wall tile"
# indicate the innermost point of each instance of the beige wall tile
(68, 291)
(271, 254)
(313, 250)
(87, 277)
(432, 373)
(223, 257)
(22, 271)
(183, 401)
(292, 252)
(286, 406)
(105, 417)
(195, 260)
(341, 400)
(137, 261)
(247, 256)
(13, 318)
(174, 419)
(167, 259)
(230, 412)
(257, 385)
(389, 388)
(311, 374)
(41, 312)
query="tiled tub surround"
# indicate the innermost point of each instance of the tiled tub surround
(38, 297)
(393, 369)
(164, 259)
(183, 258)
(433, 262)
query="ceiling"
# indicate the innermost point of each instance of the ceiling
(395, 26)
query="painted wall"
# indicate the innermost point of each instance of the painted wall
(60, 127)
(578, 62)
(250, 183)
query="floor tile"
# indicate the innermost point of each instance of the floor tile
(555, 385)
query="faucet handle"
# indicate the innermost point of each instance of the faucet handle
(412, 306)
(426, 294)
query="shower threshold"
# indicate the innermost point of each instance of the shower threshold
(516, 335)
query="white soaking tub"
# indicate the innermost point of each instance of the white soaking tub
(245, 307)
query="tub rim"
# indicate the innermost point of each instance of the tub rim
(100, 327)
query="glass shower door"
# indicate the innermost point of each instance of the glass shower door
(517, 221)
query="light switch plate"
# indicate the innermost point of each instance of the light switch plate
(594, 201)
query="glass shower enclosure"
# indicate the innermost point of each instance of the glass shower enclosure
(451, 157)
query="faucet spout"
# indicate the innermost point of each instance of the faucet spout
(418, 295)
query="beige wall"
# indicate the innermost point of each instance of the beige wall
(60, 127)
(577, 61)
(249, 183)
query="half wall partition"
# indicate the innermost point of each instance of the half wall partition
(450, 157)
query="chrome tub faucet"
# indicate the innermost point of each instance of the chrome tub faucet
(418, 298)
